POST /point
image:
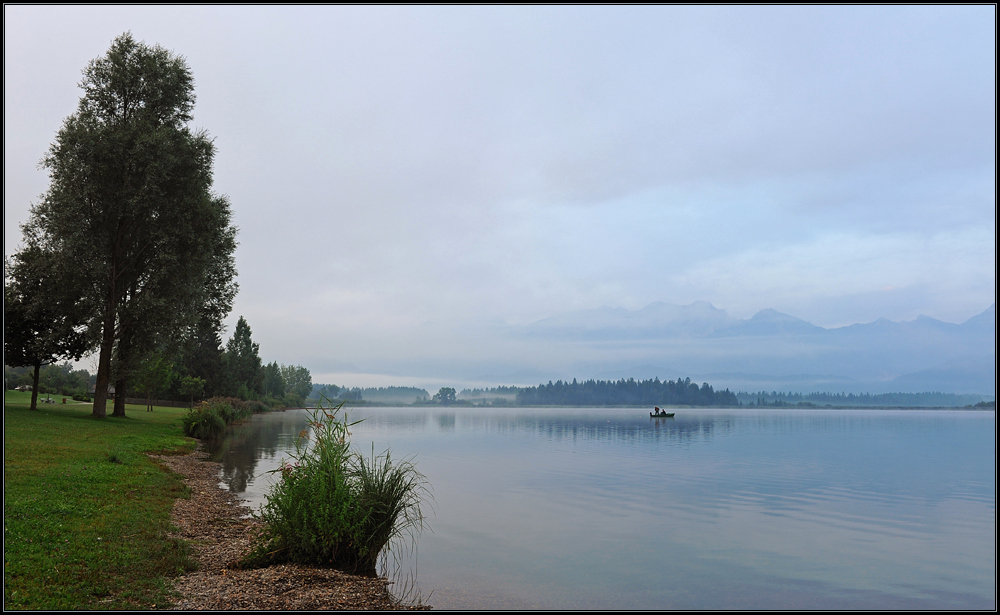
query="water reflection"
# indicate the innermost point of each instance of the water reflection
(446, 422)
(631, 425)
(620, 429)
(265, 437)
(713, 509)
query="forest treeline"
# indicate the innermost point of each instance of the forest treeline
(632, 392)
(391, 394)
(624, 392)
(856, 400)
(185, 369)
(58, 379)
(500, 391)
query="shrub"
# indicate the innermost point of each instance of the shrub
(220, 406)
(203, 422)
(293, 400)
(332, 507)
(210, 417)
(256, 407)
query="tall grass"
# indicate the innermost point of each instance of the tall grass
(334, 507)
(390, 495)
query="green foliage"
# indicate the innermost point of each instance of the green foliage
(153, 376)
(58, 378)
(780, 399)
(221, 407)
(624, 392)
(210, 418)
(256, 406)
(203, 423)
(243, 364)
(44, 319)
(273, 382)
(200, 353)
(332, 507)
(389, 495)
(309, 514)
(191, 387)
(391, 394)
(445, 397)
(327, 391)
(292, 400)
(297, 379)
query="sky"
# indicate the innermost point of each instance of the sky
(407, 180)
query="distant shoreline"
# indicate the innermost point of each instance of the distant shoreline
(379, 404)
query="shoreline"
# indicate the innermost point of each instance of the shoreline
(215, 523)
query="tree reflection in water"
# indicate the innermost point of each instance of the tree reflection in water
(262, 437)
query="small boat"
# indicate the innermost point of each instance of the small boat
(662, 415)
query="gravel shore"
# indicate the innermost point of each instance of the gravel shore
(215, 523)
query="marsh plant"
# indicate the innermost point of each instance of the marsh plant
(333, 506)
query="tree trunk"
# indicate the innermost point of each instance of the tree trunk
(104, 364)
(123, 367)
(119, 408)
(34, 388)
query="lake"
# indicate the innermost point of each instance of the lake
(607, 508)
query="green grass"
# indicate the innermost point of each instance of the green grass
(86, 513)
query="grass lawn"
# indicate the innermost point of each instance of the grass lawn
(86, 513)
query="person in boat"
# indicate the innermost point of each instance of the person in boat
(657, 408)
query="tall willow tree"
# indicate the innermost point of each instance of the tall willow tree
(130, 210)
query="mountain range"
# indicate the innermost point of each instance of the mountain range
(772, 350)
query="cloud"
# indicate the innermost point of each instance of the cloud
(394, 166)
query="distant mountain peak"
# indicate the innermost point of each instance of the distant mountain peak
(986, 321)
(773, 315)
(769, 314)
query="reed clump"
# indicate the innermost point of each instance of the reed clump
(209, 418)
(335, 507)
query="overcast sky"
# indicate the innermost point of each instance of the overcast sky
(404, 176)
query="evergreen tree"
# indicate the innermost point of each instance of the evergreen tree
(273, 382)
(243, 364)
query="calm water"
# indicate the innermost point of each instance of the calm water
(713, 509)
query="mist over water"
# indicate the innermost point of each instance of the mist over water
(713, 509)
